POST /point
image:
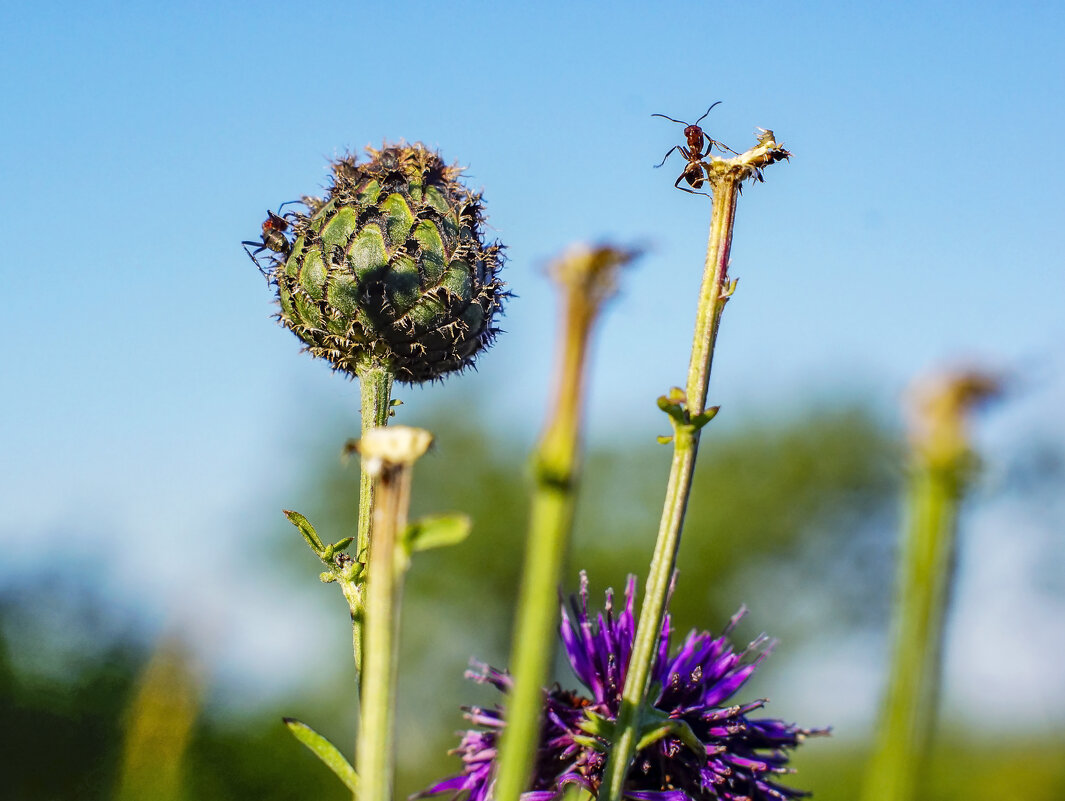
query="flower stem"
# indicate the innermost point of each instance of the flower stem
(375, 386)
(587, 280)
(389, 461)
(688, 414)
(939, 474)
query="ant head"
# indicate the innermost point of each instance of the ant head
(274, 222)
(693, 131)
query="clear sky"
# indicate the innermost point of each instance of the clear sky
(145, 387)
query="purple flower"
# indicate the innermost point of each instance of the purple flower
(737, 759)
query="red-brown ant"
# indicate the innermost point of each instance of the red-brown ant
(693, 171)
(274, 227)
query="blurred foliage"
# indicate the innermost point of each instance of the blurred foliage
(64, 730)
(968, 765)
(796, 504)
(795, 518)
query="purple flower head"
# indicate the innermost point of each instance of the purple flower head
(708, 750)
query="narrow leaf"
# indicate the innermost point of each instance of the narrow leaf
(597, 725)
(337, 547)
(650, 736)
(654, 724)
(701, 420)
(325, 751)
(306, 529)
(436, 531)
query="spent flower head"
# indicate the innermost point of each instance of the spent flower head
(694, 743)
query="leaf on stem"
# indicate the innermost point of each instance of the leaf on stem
(703, 418)
(435, 531)
(325, 751)
(654, 724)
(337, 547)
(674, 404)
(307, 530)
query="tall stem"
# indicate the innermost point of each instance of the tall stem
(713, 294)
(391, 465)
(939, 474)
(587, 279)
(375, 387)
(688, 415)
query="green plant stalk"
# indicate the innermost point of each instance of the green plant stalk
(375, 747)
(375, 387)
(713, 295)
(925, 572)
(587, 280)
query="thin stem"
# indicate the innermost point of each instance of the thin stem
(713, 295)
(587, 280)
(375, 386)
(375, 751)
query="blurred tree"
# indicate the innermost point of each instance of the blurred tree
(769, 501)
(793, 517)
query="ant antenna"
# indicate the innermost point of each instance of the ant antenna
(671, 119)
(682, 122)
(718, 103)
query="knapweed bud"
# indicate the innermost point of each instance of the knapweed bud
(390, 270)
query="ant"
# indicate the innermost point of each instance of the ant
(693, 171)
(274, 227)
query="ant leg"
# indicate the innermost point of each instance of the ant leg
(252, 256)
(668, 154)
(684, 175)
(686, 189)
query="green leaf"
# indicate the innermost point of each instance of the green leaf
(307, 530)
(701, 420)
(597, 725)
(654, 724)
(337, 547)
(325, 751)
(436, 531)
(674, 404)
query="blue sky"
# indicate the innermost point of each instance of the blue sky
(144, 382)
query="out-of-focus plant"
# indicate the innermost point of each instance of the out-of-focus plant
(941, 468)
(159, 726)
(587, 279)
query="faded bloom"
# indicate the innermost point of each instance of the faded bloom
(694, 746)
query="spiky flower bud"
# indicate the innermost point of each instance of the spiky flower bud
(390, 270)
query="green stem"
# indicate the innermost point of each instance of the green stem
(925, 572)
(384, 582)
(941, 469)
(375, 386)
(713, 295)
(587, 280)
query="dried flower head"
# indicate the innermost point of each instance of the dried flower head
(693, 745)
(390, 270)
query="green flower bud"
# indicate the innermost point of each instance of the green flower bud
(390, 270)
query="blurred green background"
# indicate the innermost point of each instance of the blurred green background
(154, 421)
(794, 517)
